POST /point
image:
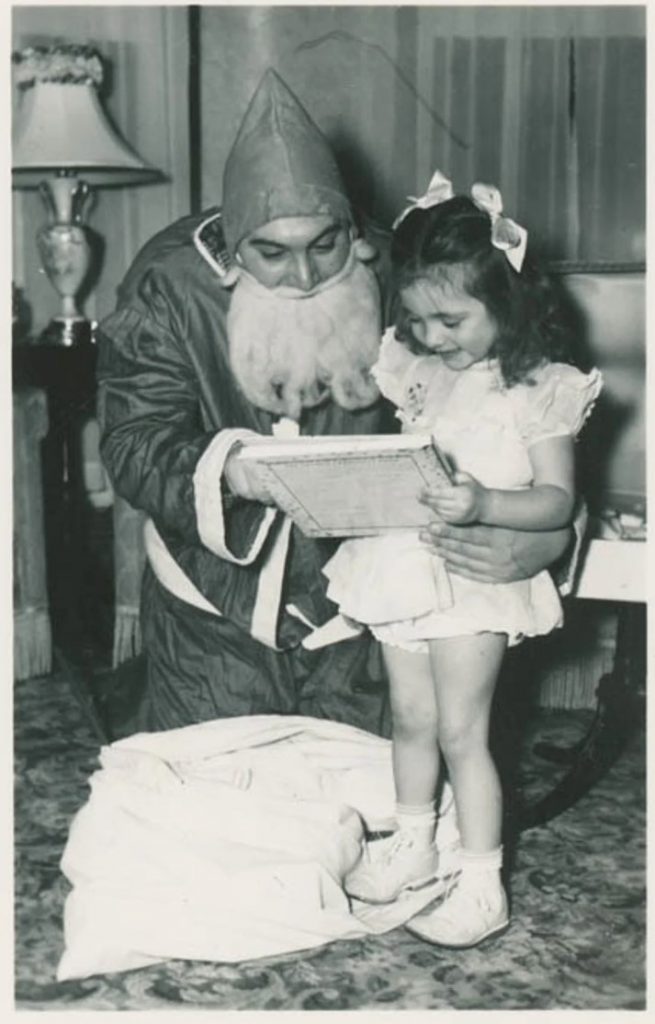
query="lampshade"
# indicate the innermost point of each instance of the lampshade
(61, 127)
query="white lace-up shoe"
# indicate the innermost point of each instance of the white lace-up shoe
(391, 865)
(472, 911)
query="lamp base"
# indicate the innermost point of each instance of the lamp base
(67, 332)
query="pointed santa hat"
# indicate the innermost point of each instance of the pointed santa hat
(280, 165)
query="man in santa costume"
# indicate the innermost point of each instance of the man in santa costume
(263, 316)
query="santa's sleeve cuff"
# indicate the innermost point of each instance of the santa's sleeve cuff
(209, 499)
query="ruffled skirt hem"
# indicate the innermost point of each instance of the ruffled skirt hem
(401, 590)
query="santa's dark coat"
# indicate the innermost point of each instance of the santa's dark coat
(165, 389)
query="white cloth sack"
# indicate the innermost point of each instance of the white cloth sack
(229, 840)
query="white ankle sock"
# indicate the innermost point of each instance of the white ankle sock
(419, 819)
(483, 867)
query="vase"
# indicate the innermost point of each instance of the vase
(66, 257)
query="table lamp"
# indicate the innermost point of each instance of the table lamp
(64, 145)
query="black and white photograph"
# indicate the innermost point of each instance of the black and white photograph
(328, 534)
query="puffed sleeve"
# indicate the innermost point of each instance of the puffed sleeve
(394, 363)
(558, 401)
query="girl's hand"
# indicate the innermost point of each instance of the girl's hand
(463, 502)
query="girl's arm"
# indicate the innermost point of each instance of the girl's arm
(547, 505)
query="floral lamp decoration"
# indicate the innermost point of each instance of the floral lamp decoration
(63, 144)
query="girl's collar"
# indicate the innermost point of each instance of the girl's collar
(488, 363)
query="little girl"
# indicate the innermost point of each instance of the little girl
(478, 359)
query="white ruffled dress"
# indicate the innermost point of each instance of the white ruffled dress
(398, 586)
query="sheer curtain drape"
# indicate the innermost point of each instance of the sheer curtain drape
(548, 103)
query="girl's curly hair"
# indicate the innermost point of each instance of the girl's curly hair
(525, 306)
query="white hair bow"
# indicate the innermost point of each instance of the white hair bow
(439, 190)
(506, 234)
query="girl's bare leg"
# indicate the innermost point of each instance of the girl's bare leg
(465, 670)
(407, 859)
(414, 729)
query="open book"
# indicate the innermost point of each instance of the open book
(350, 485)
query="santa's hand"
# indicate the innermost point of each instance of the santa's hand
(494, 554)
(245, 480)
(460, 502)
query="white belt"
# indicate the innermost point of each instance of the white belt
(269, 588)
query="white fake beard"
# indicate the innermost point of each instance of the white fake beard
(289, 349)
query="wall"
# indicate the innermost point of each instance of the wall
(148, 51)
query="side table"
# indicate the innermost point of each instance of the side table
(67, 377)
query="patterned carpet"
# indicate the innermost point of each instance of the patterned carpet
(577, 938)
